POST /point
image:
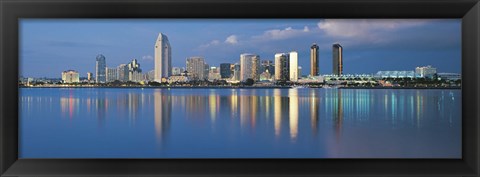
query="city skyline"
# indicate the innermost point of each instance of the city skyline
(370, 53)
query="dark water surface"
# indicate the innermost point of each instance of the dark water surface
(239, 123)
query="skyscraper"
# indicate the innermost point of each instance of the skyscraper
(163, 58)
(337, 59)
(122, 72)
(100, 69)
(112, 74)
(249, 66)
(225, 71)
(293, 66)
(314, 60)
(89, 76)
(196, 67)
(134, 71)
(282, 66)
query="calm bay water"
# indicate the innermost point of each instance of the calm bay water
(239, 123)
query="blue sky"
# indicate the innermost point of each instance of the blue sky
(50, 46)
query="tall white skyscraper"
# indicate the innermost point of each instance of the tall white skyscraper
(294, 66)
(163, 58)
(249, 66)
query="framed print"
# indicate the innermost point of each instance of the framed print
(221, 88)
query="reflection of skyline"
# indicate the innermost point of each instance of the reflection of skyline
(340, 109)
(162, 113)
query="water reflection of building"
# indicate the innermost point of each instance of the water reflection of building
(69, 105)
(277, 99)
(293, 113)
(162, 113)
(314, 110)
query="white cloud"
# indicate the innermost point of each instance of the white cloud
(279, 34)
(147, 57)
(356, 27)
(211, 43)
(232, 39)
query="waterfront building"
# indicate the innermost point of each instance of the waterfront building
(134, 71)
(112, 74)
(236, 72)
(266, 76)
(449, 76)
(293, 65)
(178, 79)
(70, 76)
(282, 66)
(163, 58)
(314, 60)
(196, 67)
(249, 66)
(176, 71)
(89, 76)
(395, 74)
(100, 69)
(426, 71)
(214, 74)
(225, 70)
(150, 75)
(299, 72)
(267, 65)
(337, 57)
(122, 72)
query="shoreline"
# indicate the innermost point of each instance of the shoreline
(239, 87)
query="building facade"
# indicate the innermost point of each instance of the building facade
(70, 76)
(337, 57)
(134, 71)
(112, 74)
(89, 76)
(225, 71)
(163, 58)
(282, 67)
(314, 60)
(100, 69)
(176, 71)
(122, 72)
(267, 65)
(426, 71)
(196, 67)
(249, 66)
(293, 66)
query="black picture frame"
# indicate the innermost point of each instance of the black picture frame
(12, 10)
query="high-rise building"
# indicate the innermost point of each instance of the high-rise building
(89, 76)
(236, 71)
(314, 60)
(163, 58)
(425, 71)
(337, 57)
(134, 71)
(70, 76)
(293, 66)
(282, 66)
(299, 72)
(196, 68)
(122, 72)
(100, 69)
(176, 71)
(214, 73)
(249, 67)
(225, 71)
(112, 74)
(267, 65)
